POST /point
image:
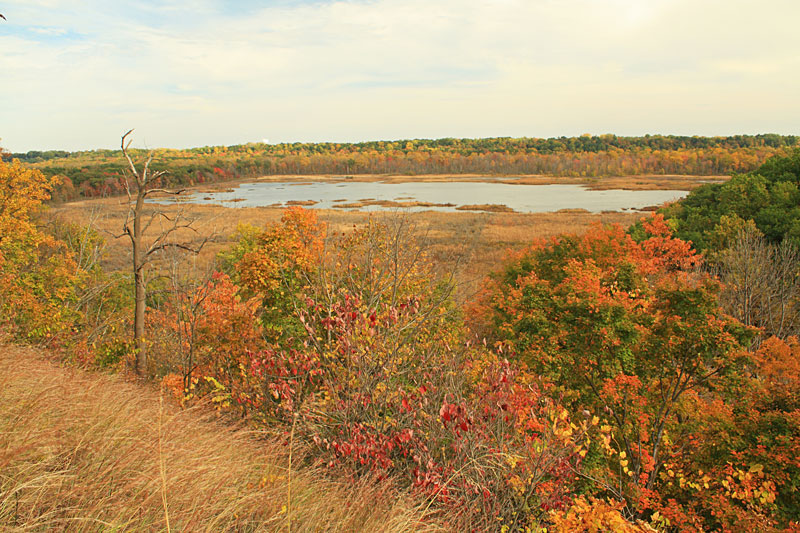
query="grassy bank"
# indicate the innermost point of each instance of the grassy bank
(88, 452)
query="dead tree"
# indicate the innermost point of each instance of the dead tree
(761, 283)
(136, 225)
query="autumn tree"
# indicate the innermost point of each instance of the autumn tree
(37, 272)
(627, 330)
(278, 266)
(101, 299)
(769, 196)
(738, 468)
(205, 335)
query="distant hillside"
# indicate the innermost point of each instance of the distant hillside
(98, 172)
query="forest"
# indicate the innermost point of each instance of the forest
(642, 378)
(99, 172)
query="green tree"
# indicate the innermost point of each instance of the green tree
(769, 196)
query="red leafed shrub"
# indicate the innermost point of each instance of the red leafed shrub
(380, 380)
(456, 423)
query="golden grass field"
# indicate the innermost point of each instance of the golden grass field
(91, 452)
(473, 242)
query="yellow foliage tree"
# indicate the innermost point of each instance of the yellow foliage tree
(37, 274)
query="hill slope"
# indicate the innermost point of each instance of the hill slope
(83, 451)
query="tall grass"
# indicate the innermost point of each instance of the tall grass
(86, 452)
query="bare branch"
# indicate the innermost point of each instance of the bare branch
(122, 144)
(164, 246)
(163, 191)
(145, 178)
(176, 245)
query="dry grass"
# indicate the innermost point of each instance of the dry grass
(475, 243)
(492, 208)
(86, 452)
(476, 232)
(387, 203)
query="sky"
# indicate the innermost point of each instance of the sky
(75, 75)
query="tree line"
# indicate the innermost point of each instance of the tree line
(100, 172)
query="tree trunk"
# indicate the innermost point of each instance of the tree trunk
(138, 324)
(139, 287)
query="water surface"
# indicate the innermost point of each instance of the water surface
(520, 198)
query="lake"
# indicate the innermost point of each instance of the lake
(445, 196)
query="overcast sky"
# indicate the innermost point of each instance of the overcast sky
(77, 74)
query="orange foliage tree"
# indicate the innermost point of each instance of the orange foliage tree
(278, 265)
(629, 331)
(741, 468)
(205, 335)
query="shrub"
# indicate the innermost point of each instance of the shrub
(381, 381)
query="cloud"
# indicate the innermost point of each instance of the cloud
(78, 73)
